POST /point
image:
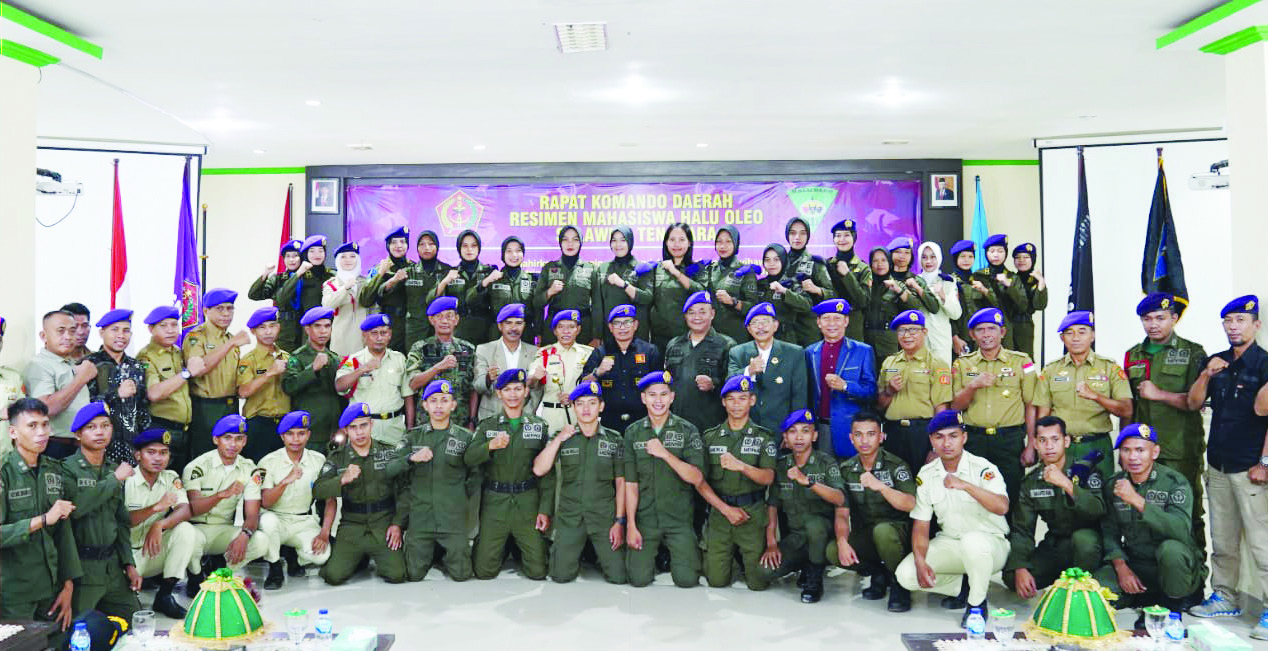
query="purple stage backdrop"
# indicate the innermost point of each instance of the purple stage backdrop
(536, 212)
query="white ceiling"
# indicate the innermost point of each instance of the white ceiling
(753, 79)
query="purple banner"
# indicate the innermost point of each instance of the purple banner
(535, 213)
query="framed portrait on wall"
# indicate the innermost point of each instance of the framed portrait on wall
(324, 196)
(944, 190)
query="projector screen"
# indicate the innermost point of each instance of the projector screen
(1120, 182)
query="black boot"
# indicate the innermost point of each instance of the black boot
(150, 583)
(876, 589)
(662, 559)
(964, 619)
(813, 591)
(959, 601)
(165, 603)
(276, 577)
(899, 598)
(193, 583)
(293, 568)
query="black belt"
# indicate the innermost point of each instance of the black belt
(995, 431)
(95, 552)
(1081, 438)
(922, 423)
(554, 405)
(741, 501)
(169, 425)
(385, 504)
(387, 416)
(513, 488)
(229, 401)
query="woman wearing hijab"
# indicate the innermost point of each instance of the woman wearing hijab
(510, 284)
(850, 275)
(1002, 281)
(617, 284)
(340, 294)
(892, 292)
(808, 271)
(670, 283)
(974, 296)
(1036, 297)
(729, 286)
(385, 290)
(792, 308)
(266, 288)
(302, 291)
(566, 284)
(465, 282)
(943, 287)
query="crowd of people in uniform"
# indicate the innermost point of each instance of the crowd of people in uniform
(683, 416)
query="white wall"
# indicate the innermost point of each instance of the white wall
(17, 229)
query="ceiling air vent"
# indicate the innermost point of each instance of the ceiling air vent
(581, 37)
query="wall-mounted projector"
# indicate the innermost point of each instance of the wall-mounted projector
(50, 182)
(1212, 181)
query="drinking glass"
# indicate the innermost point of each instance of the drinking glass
(1156, 622)
(296, 625)
(143, 626)
(1004, 623)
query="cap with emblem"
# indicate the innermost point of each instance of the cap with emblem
(907, 317)
(903, 242)
(152, 436)
(655, 377)
(622, 312)
(510, 376)
(843, 225)
(585, 389)
(348, 247)
(796, 418)
(114, 316)
(1248, 304)
(352, 412)
(565, 315)
(947, 418)
(1077, 318)
(960, 247)
(1137, 430)
(316, 314)
(87, 413)
(442, 304)
(1159, 301)
(291, 246)
(987, 316)
(162, 313)
(400, 232)
(438, 386)
(375, 321)
(737, 383)
(511, 311)
(261, 317)
(219, 296)
(1026, 248)
(698, 298)
(831, 306)
(310, 242)
(761, 309)
(231, 424)
(996, 240)
(294, 420)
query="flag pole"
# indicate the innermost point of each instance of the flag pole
(203, 257)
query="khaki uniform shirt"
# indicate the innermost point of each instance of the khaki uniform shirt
(958, 513)
(47, 374)
(926, 382)
(1002, 404)
(269, 400)
(297, 499)
(1082, 416)
(138, 494)
(208, 474)
(221, 381)
(161, 363)
(383, 389)
(563, 369)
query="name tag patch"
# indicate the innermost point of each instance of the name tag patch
(569, 452)
(87, 482)
(717, 449)
(1042, 492)
(856, 487)
(19, 493)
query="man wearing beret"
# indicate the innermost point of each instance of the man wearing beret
(100, 522)
(1032, 298)
(912, 386)
(1002, 290)
(515, 503)
(164, 543)
(618, 364)
(310, 377)
(216, 482)
(167, 377)
(370, 524)
(286, 493)
(664, 455)
(260, 385)
(558, 368)
(503, 354)
(698, 362)
(214, 392)
(266, 288)
(384, 289)
(591, 464)
(1235, 383)
(120, 383)
(777, 368)
(376, 375)
(444, 356)
(302, 291)
(851, 277)
(842, 377)
(1150, 554)
(968, 495)
(808, 489)
(1084, 389)
(12, 389)
(434, 494)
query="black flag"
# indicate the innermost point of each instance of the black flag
(1081, 297)
(1161, 270)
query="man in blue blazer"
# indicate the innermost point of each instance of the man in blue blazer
(778, 368)
(842, 377)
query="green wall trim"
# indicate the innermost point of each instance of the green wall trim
(20, 52)
(1202, 22)
(1237, 40)
(993, 161)
(50, 30)
(221, 171)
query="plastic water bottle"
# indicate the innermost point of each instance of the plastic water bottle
(975, 626)
(80, 640)
(325, 628)
(1175, 631)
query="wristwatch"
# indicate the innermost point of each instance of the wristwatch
(185, 374)
(810, 482)
(1263, 461)
(622, 520)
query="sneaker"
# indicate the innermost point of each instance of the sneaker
(1260, 632)
(1216, 605)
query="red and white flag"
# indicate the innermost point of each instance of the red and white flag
(119, 295)
(286, 229)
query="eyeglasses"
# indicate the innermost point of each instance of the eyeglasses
(623, 323)
(909, 332)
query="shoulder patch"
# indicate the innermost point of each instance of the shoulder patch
(988, 474)
(196, 473)
(1178, 496)
(902, 474)
(176, 484)
(1094, 481)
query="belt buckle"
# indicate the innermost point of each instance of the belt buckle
(625, 416)
(906, 422)
(991, 431)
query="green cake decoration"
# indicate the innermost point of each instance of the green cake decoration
(1075, 609)
(223, 614)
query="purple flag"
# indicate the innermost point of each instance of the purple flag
(188, 286)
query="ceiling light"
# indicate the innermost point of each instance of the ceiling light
(581, 37)
(313, 102)
(896, 141)
(479, 147)
(362, 146)
(702, 145)
(257, 151)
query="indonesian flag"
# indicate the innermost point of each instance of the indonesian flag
(286, 229)
(119, 295)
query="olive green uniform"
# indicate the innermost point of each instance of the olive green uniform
(885, 304)
(971, 302)
(996, 416)
(729, 319)
(879, 533)
(507, 290)
(663, 297)
(810, 518)
(606, 296)
(755, 446)
(389, 301)
(792, 308)
(588, 467)
(214, 394)
(685, 361)
(812, 267)
(473, 302)
(266, 288)
(1030, 300)
(412, 294)
(854, 287)
(579, 281)
(369, 508)
(926, 384)
(174, 412)
(428, 352)
(264, 408)
(665, 501)
(314, 392)
(1086, 420)
(513, 496)
(307, 286)
(102, 528)
(1010, 300)
(434, 500)
(1074, 535)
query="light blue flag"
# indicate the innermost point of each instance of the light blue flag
(980, 231)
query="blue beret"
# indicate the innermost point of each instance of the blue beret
(621, 312)
(438, 386)
(292, 245)
(295, 420)
(352, 412)
(698, 298)
(1138, 430)
(374, 321)
(1081, 317)
(311, 241)
(231, 424)
(316, 314)
(737, 383)
(565, 315)
(761, 309)
(987, 316)
(162, 313)
(961, 246)
(844, 225)
(262, 316)
(87, 413)
(509, 376)
(400, 232)
(1248, 304)
(442, 304)
(150, 436)
(1024, 247)
(219, 296)
(799, 416)
(1159, 301)
(585, 389)
(944, 419)
(908, 317)
(511, 311)
(832, 306)
(655, 377)
(996, 240)
(644, 267)
(3, 324)
(348, 247)
(903, 242)
(114, 316)
(747, 269)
